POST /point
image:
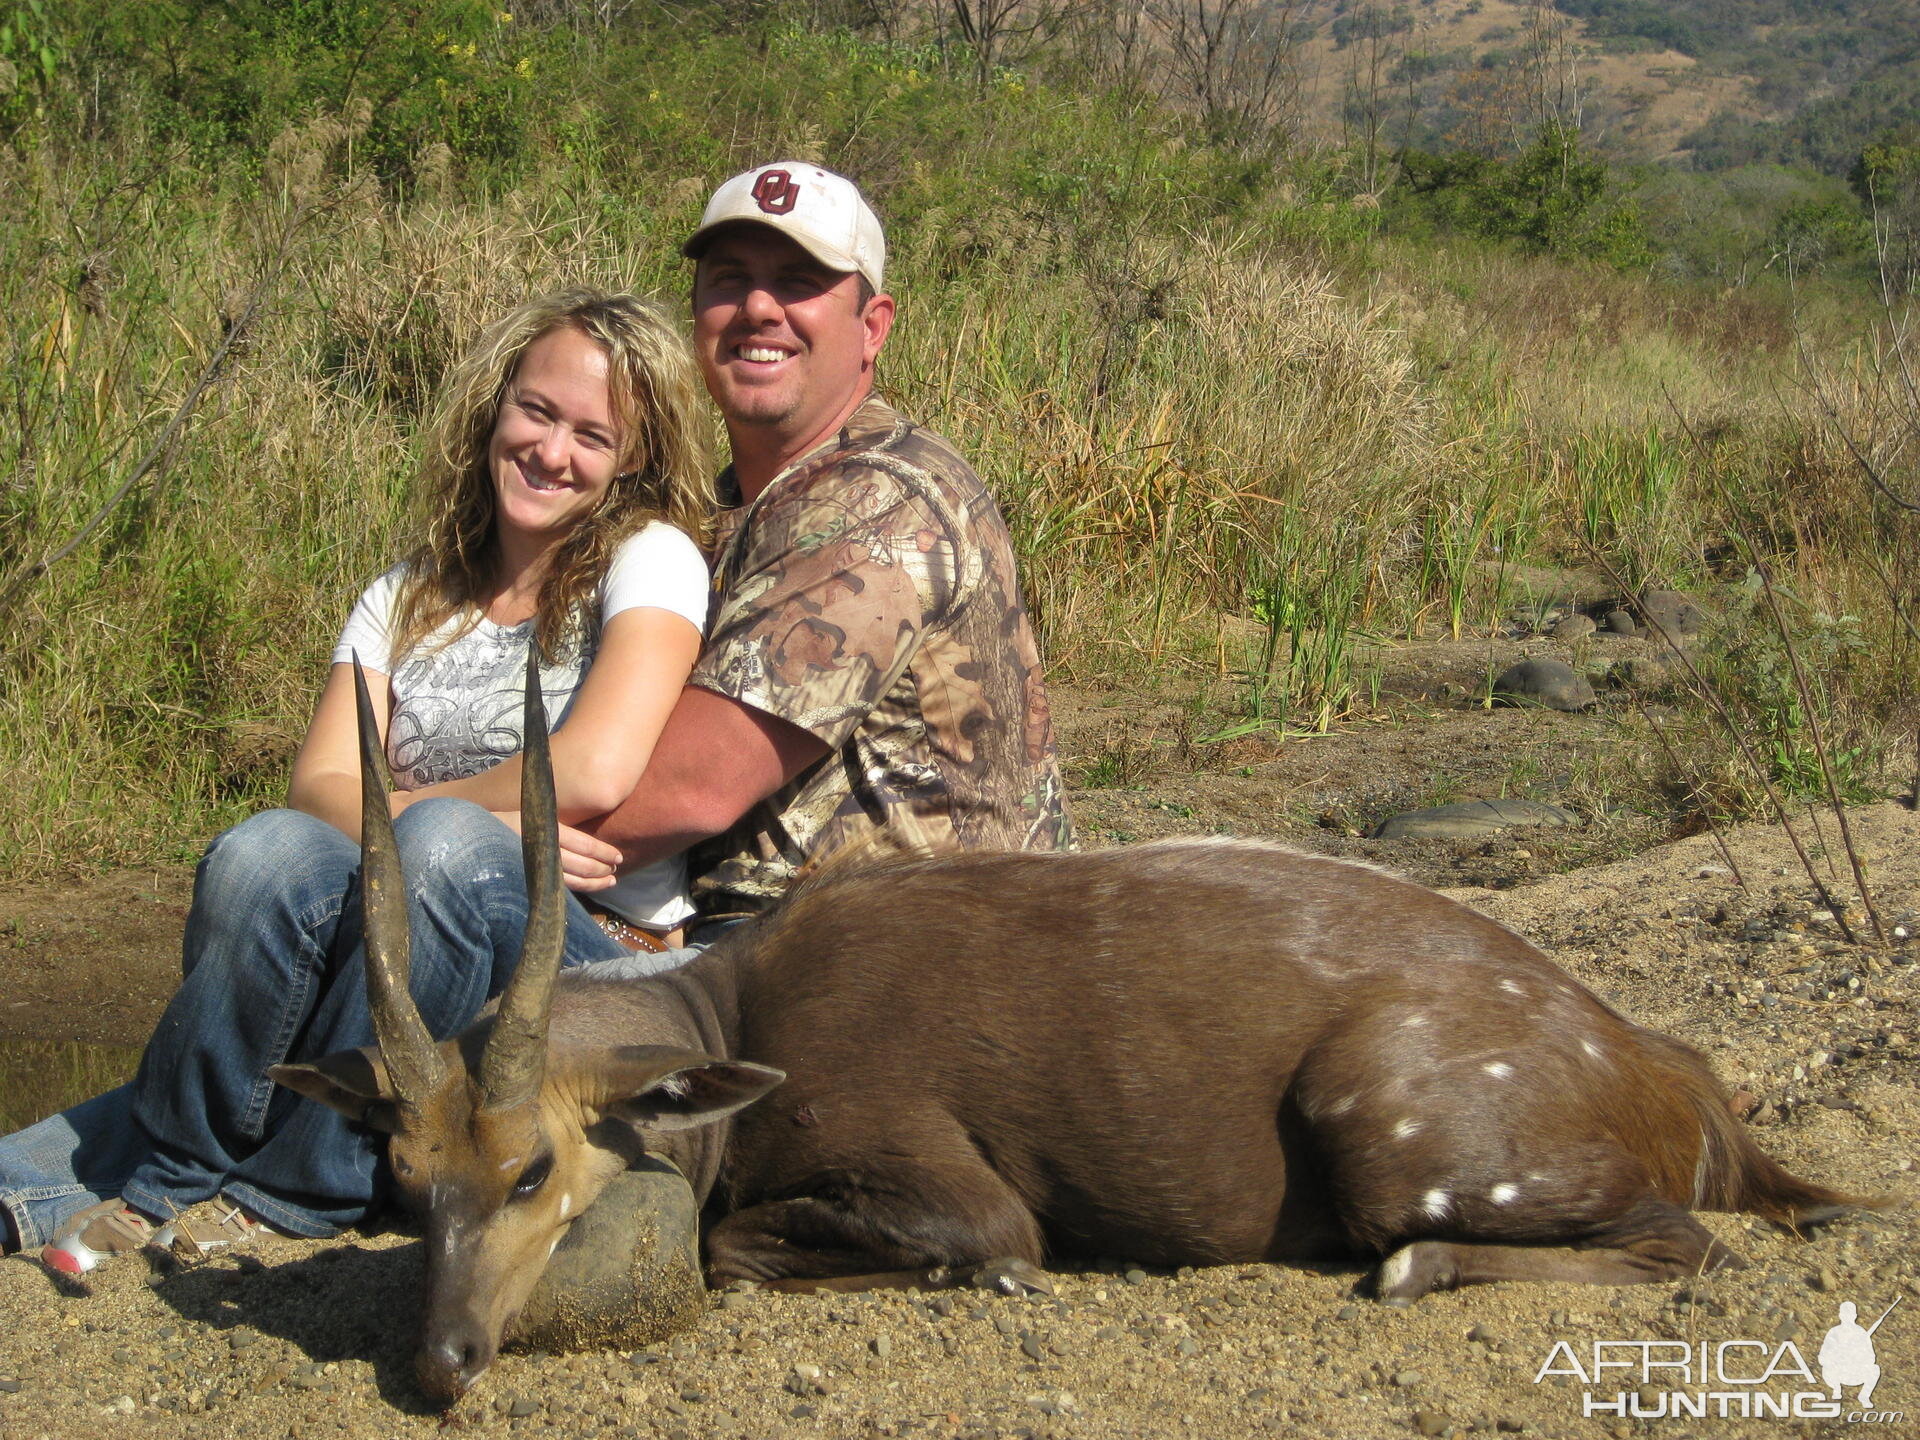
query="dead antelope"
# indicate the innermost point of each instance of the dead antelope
(1193, 1052)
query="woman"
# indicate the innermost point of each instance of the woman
(562, 483)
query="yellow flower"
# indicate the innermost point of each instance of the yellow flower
(505, 17)
(523, 66)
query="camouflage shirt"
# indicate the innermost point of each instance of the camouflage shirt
(868, 596)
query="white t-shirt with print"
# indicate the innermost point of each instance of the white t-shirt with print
(457, 707)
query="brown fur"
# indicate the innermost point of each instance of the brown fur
(1182, 1053)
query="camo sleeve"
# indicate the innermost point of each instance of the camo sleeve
(828, 606)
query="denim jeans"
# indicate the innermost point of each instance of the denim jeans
(273, 970)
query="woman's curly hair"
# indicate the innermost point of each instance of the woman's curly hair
(653, 391)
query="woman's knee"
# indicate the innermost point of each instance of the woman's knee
(456, 842)
(272, 854)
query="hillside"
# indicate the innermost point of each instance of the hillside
(1714, 82)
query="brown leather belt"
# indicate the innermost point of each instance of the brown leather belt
(626, 932)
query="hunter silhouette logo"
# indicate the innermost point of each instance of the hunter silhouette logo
(1846, 1355)
(775, 192)
(1729, 1379)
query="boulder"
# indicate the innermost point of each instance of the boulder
(1543, 682)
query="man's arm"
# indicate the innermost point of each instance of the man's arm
(713, 762)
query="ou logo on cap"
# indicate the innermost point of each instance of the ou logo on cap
(775, 192)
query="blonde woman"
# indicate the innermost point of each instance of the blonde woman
(563, 491)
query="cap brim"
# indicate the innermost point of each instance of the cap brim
(696, 244)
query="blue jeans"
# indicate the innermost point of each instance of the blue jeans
(273, 970)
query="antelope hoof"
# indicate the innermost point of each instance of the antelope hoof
(1412, 1271)
(1009, 1275)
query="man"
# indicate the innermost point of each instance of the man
(871, 676)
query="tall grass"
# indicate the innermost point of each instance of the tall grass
(1196, 423)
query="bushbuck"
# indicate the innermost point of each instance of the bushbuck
(1190, 1052)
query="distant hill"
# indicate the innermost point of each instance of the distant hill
(1715, 83)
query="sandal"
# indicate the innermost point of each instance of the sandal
(219, 1225)
(107, 1228)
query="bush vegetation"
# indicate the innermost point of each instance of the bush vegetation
(1237, 423)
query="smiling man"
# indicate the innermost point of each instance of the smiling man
(871, 676)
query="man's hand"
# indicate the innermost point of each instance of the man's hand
(586, 863)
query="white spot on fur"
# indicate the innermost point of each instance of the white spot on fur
(1412, 1022)
(566, 1204)
(553, 1247)
(1394, 1270)
(1434, 1204)
(1503, 1194)
(1512, 987)
(1499, 1069)
(1342, 1105)
(1592, 1049)
(1537, 1178)
(1406, 1129)
(510, 1164)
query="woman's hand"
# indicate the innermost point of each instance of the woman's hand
(586, 864)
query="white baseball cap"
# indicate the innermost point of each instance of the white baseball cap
(822, 212)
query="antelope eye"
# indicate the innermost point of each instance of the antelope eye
(533, 1177)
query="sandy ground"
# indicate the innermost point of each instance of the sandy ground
(312, 1339)
(1820, 1037)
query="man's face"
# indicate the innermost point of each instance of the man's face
(783, 342)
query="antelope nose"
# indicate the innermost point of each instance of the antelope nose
(448, 1365)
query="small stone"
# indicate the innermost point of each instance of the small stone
(1572, 627)
(1346, 1312)
(1135, 1276)
(805, 1380)
(1188, 1346)
(882, 1345)
(803, 1412)
(1407, 1379)
(1618, 622)
(1431, 1422)
(1671, 612)
(10, 1386)
(1823, 1281)
(1031, 1347)
(1484, 1334)
(522, 1406)
(1508, 1425)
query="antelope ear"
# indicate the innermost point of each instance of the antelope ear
(354, 1082)
(672, 1089)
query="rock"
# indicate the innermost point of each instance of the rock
(806, 1379)
(1573, 627)
(1430, 1422)
(627, 1273)
(1672, 612)
(521, 1408)
(1543, 682)
(1471, 819)
(882, 1345)
(1618, 622)
(1407, 1379)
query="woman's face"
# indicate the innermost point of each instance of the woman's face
(555, 447)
